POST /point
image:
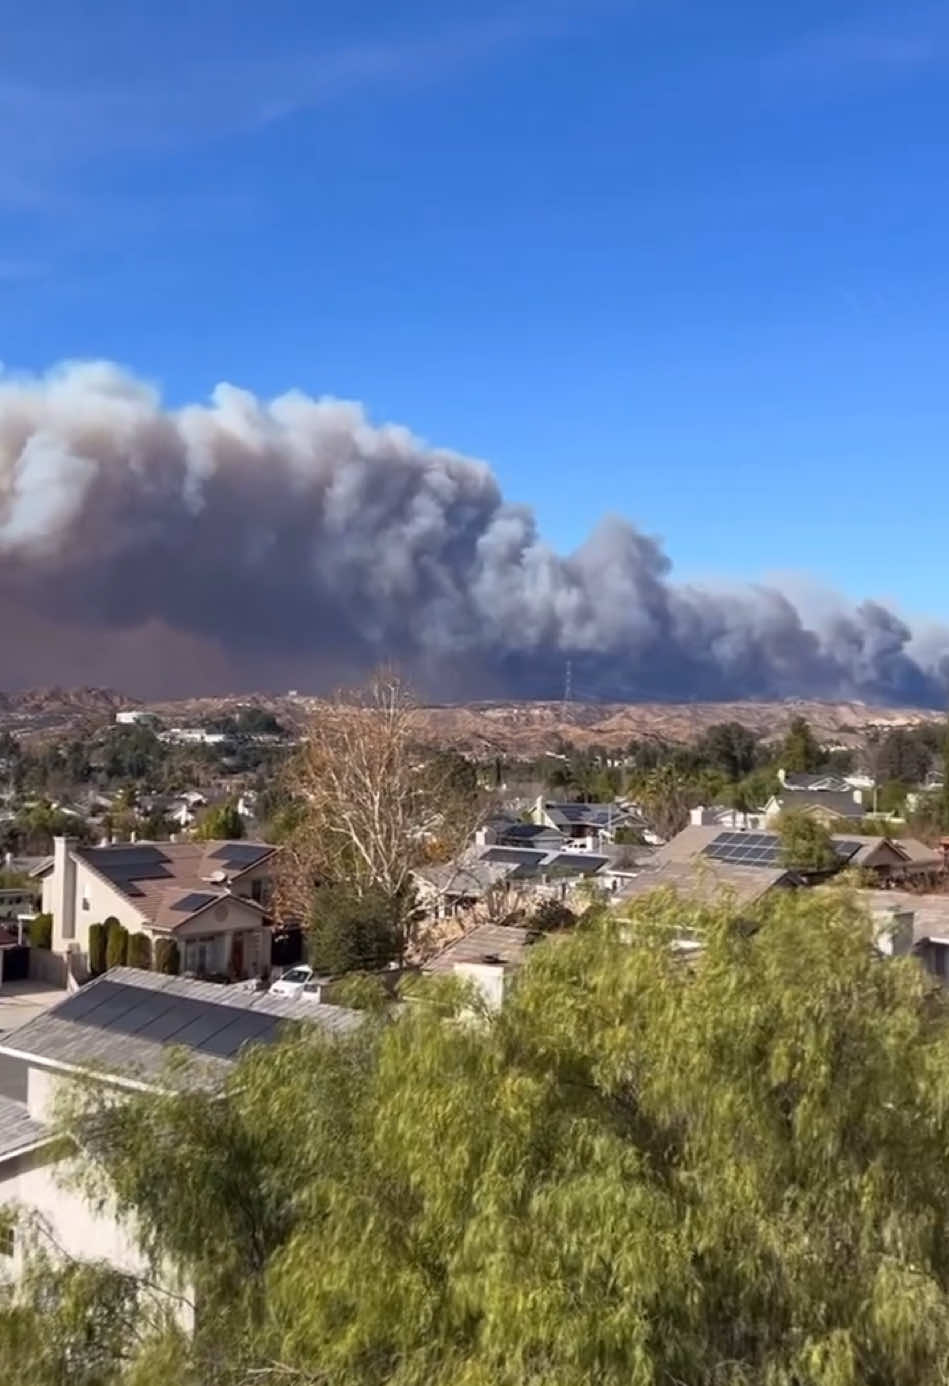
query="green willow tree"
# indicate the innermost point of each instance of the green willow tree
(805, 843)
(723, 1172)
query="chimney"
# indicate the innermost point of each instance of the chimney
(64, 891)
(895, 932)
(539, 809)
(487, 976)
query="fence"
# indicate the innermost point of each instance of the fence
(48, 967)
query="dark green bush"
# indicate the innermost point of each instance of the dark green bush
(97, 949)
(116, 949)
(166, 957)
(41, 931)
(140, 951)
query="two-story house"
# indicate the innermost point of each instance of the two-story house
(212, 898)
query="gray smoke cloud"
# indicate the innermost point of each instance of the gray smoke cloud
(249, 543)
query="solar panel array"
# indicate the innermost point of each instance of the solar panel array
(513, 856)
(194, 900)
(239, 853)
(761, 849)
(164, 1018)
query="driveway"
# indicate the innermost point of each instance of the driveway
(23, 1001)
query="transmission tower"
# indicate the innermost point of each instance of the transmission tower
(567, 690)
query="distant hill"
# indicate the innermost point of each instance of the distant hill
(482, 729)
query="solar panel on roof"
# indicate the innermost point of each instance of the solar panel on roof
(146, 871)
(244, 1029)
(107, 1001)
(243, 852)
(194, 900)
(745, 849)
(110, 858)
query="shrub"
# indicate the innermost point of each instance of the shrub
(166, 957)
(97, 949)
(552, 914)
(41, 931)
(116, 949)
(140, 951)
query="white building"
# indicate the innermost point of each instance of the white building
(209, 897)
(121, 1023)
(192, 736)
(135, 717)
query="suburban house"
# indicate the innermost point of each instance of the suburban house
(210, 897)
(117, 1030)
(452, 889)
(507, 833)
(703, 859)
(17, 903)
(587, 826)
(826, 805)
(925, 917)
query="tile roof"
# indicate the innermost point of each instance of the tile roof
(157, 876)
(124, 1022)
(18, 1130)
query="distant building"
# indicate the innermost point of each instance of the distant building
(192, 736)
(136, 717)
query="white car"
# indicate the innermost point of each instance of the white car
(293, 981)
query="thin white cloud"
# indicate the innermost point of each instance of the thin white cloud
(200, 101)
(916, 42)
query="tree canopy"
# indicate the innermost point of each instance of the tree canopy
(221, 823)
(805, 842)
(641, 1171)
(800, 751)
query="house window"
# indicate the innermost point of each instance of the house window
(7, 1241)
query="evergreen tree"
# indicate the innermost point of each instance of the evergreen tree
(800, 752)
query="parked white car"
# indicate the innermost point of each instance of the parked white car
(293, 981)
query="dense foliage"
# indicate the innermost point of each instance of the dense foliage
(641, 1172)
(805, 842)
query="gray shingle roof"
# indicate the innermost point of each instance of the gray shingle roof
(705, 881)
(506, 943)
(18, 1130)
(125, 1021)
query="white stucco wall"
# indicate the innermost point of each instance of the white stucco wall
(55, 1214)
(95, 901)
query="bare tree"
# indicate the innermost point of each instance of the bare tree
(377, 803)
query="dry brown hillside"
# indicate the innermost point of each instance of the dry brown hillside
(484, 728)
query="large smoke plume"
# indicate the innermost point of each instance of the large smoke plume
(252, 543)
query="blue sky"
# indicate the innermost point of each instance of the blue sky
(684, 261)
